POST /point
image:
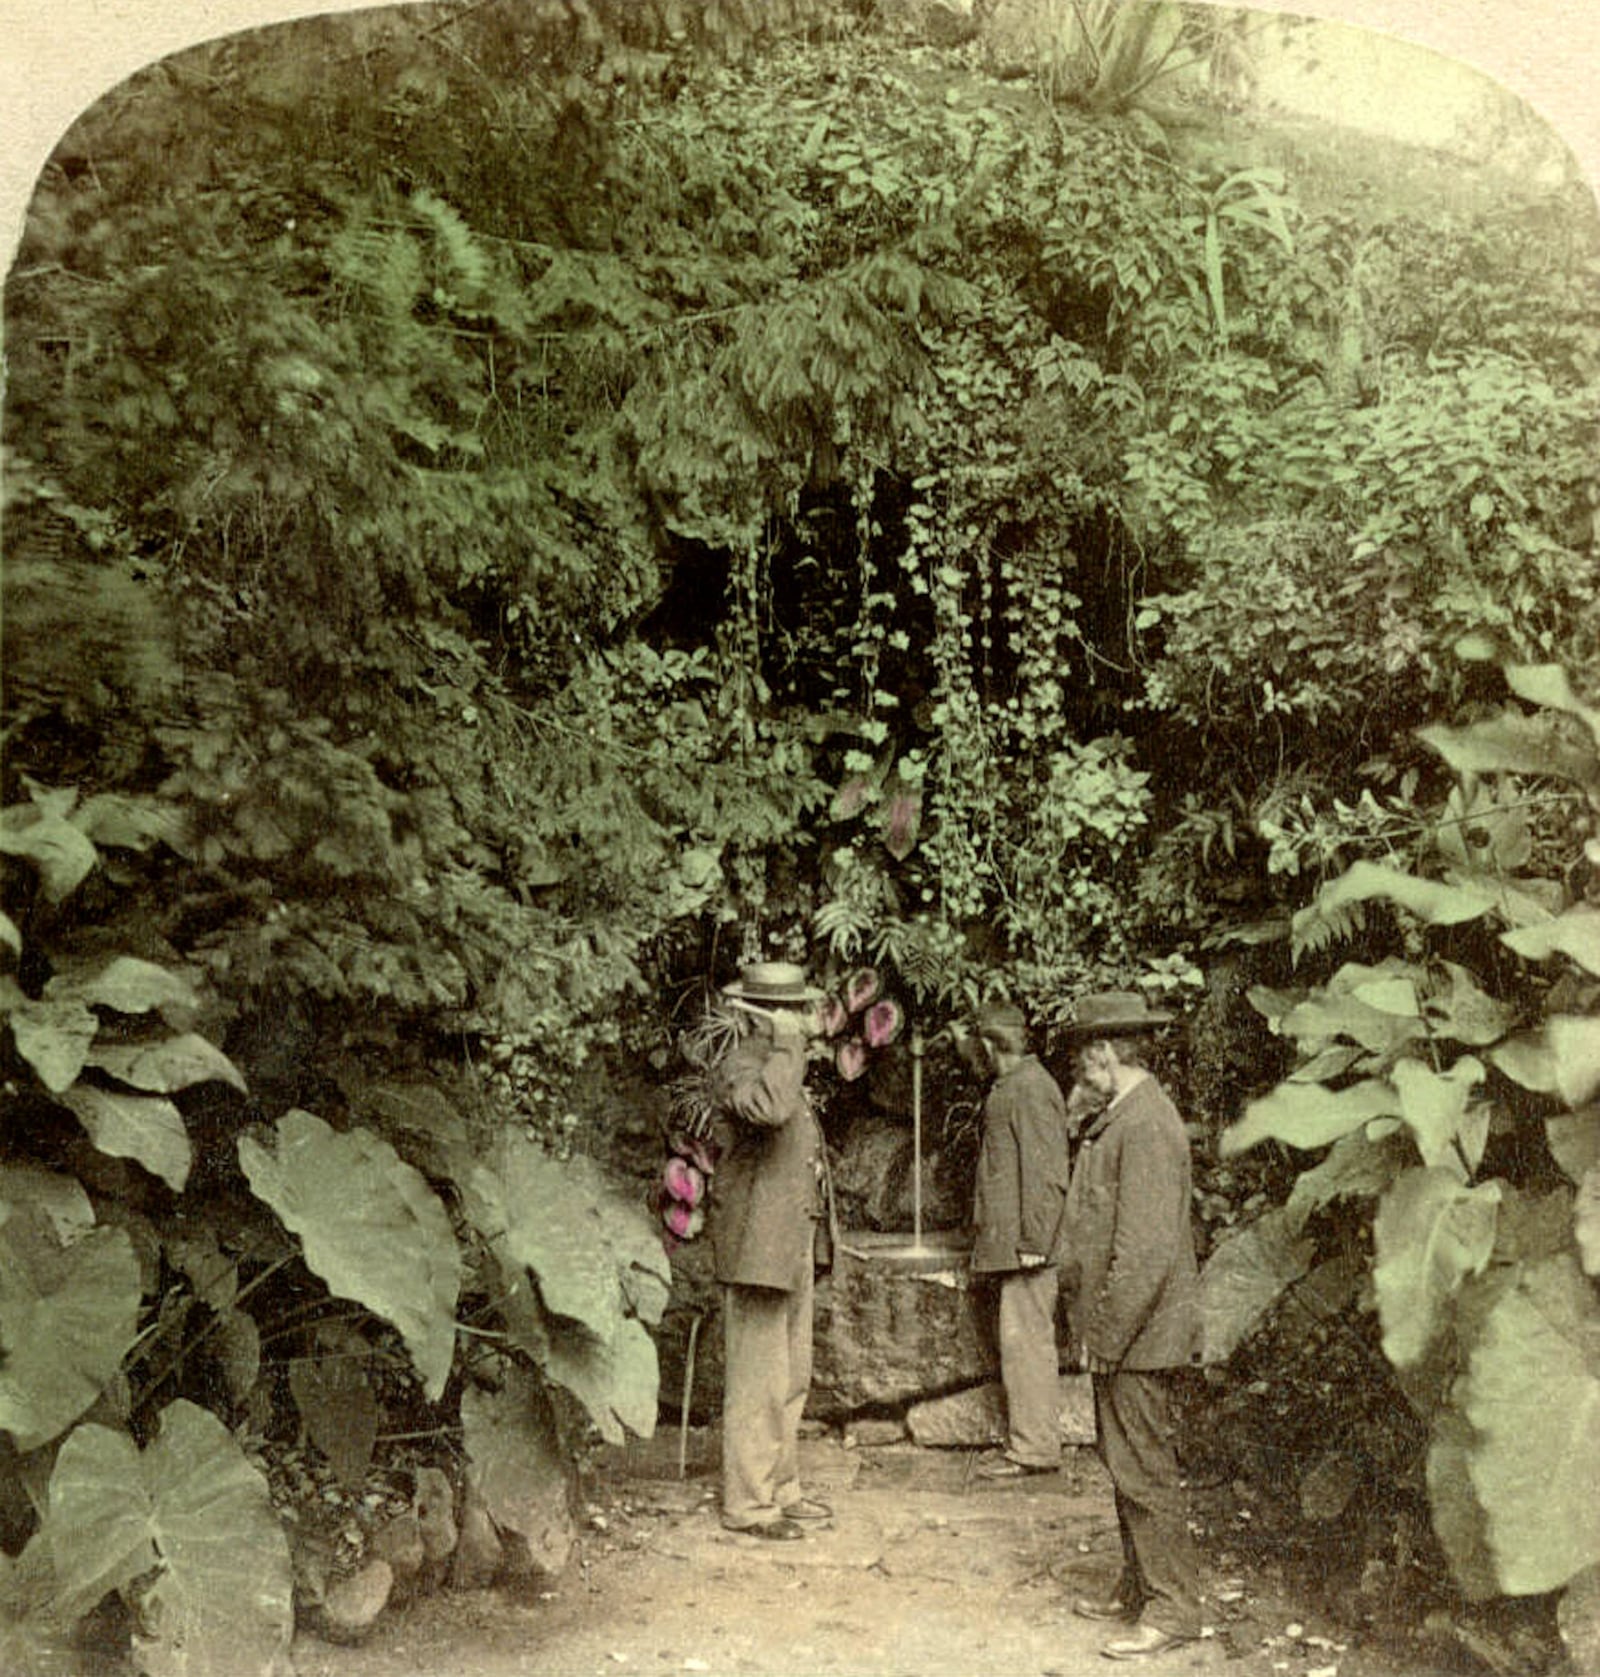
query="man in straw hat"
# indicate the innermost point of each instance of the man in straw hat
(769, 1206)
(1130, 1270)
(1019, 1197)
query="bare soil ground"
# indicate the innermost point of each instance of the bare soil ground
(927, 1571)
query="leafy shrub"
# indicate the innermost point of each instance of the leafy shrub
(106, 1297)
(1452, 1090)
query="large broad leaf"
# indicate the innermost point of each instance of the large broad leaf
(1379, 1030)
(1431, 1233)
(581, 1269)
(1357, 1166)
(191, 1512)
(1550, 686)
(540, 1213)
(338, 1406)
(1575, 934)
(1458, 1518)
(1574, 1040)
(130, 823)
(1514, 744)
(371, 1226)
(644, 1271)
(164, 1067)
(63, 856)
(1532, 1393)
(1436, 903)
(142, 1127)
(618, 1383)
(53, 1036)
(68, 1315)
(61, 1198)
(1244, 1276)
(126, 984)
(1562, 1058)
(1466, 1013)
(1526, 1058)
(1485, 827)
(36, 1637)
(1586, 1221)
(516, 1463)
(1574, 1139)
(1434, 1105)
(1307, 1115)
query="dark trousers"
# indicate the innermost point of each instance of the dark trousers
(1133, 1413)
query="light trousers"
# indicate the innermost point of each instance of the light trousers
(1030, 1365)
(766, 1343)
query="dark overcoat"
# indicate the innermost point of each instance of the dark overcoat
(1019, 1193)
(768, 1195)
(1130, 1266)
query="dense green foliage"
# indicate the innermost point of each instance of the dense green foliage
(1451, 1091)
(512, 509)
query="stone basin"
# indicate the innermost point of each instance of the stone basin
(895, 1322)
(938, 1249)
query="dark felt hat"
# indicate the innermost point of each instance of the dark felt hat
(1115, 1013)
(1001, 1018)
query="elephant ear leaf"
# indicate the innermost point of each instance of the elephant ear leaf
(1550, 685)
(371, 1227)
(68, 1314)
(1586, 1220)
(1513, 743)
(1575, 934)
(1532, 1396)
(1434, 1104)
(1245, 1275)
(126, 984)
(142, 1127)
(1431, 1234)
(62, 854)
(54, 1036)
(581, 1274)
(187, 1528)
(515, 1462)
(164, 1067)
(1309, 1115)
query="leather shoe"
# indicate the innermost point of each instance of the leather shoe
(1145, 1640)
(774, 1531)
(1002, 1467)
(1107, 1607)
(808, 1508)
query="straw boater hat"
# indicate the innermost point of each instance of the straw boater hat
(1115, 1013)
(773, 983)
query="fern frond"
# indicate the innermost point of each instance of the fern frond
(1321, 927)
(467, 263)
(841, 925)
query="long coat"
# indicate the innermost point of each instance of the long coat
(1130, 1264)
(1020, 1189)
(768, 1194)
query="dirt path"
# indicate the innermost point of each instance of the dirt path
(927, 1572)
